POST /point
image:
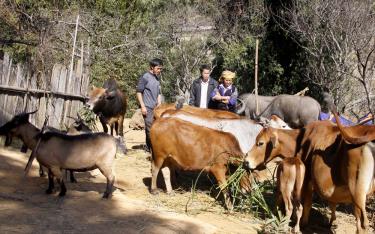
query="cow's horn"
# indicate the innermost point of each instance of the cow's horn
(31, 112)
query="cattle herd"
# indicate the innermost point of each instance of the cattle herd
(335, 162)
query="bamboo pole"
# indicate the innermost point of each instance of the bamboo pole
(256, 77)
(74, 47)
(68, 82)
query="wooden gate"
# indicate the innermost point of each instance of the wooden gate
(56, 96)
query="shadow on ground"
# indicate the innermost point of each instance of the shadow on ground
(25, 208)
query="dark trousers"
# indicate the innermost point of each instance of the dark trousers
(149, 118)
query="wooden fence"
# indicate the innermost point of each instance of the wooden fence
(55, 96)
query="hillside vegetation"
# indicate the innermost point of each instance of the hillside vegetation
(326, 46)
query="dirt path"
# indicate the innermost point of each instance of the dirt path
(25, 208)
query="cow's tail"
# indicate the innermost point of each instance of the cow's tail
(180, 103)
(347, 133)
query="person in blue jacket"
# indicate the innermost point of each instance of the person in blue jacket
(225, 95)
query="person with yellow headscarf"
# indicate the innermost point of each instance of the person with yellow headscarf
(225, 95)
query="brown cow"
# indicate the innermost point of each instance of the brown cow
(340, 172)
(191, 147)
(290, 176)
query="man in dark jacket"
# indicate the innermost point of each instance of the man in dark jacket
(202, 88)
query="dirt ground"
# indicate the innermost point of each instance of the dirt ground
(25, 208)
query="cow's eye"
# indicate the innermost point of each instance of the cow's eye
(260, 143)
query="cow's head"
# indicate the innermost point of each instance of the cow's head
(78, 126)
(266, 148)
(98, 98)
(277, 122)
(274, 122)
(13, 127)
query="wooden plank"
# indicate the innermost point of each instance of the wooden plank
(77, 83)
(42, 101)
(4, 116)
(1, 70)
(21, 82)
(33, 103)
(26, 97)
(5, 67)
(54, 86)
(12, 98)
(10, 70)
(60, 101)
(85, 84)
(78, 70)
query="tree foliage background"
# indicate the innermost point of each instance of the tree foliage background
(325, 45)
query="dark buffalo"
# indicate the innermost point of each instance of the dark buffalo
(249, 105)
(109, 103)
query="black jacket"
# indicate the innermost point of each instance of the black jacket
(195, 92)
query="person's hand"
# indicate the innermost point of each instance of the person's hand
(226, 101)
(144, 111)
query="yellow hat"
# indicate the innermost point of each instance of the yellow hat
(227, 75)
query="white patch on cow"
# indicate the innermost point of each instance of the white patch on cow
(244, 130)
(277, 122)
(366, 174)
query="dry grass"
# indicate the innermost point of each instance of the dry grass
(371, 210)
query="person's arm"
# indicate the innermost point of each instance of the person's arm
(143, 107)
(140, 87)
(192, 95)
(215, 95)
(233, 98)
(159, 99)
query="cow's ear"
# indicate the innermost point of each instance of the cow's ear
(274, 140)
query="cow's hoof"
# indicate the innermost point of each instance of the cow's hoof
(333, 226)
(73, 180)
(171, 193)
(49, 191)
(61, 194)
(107, 195)
(154, 191)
